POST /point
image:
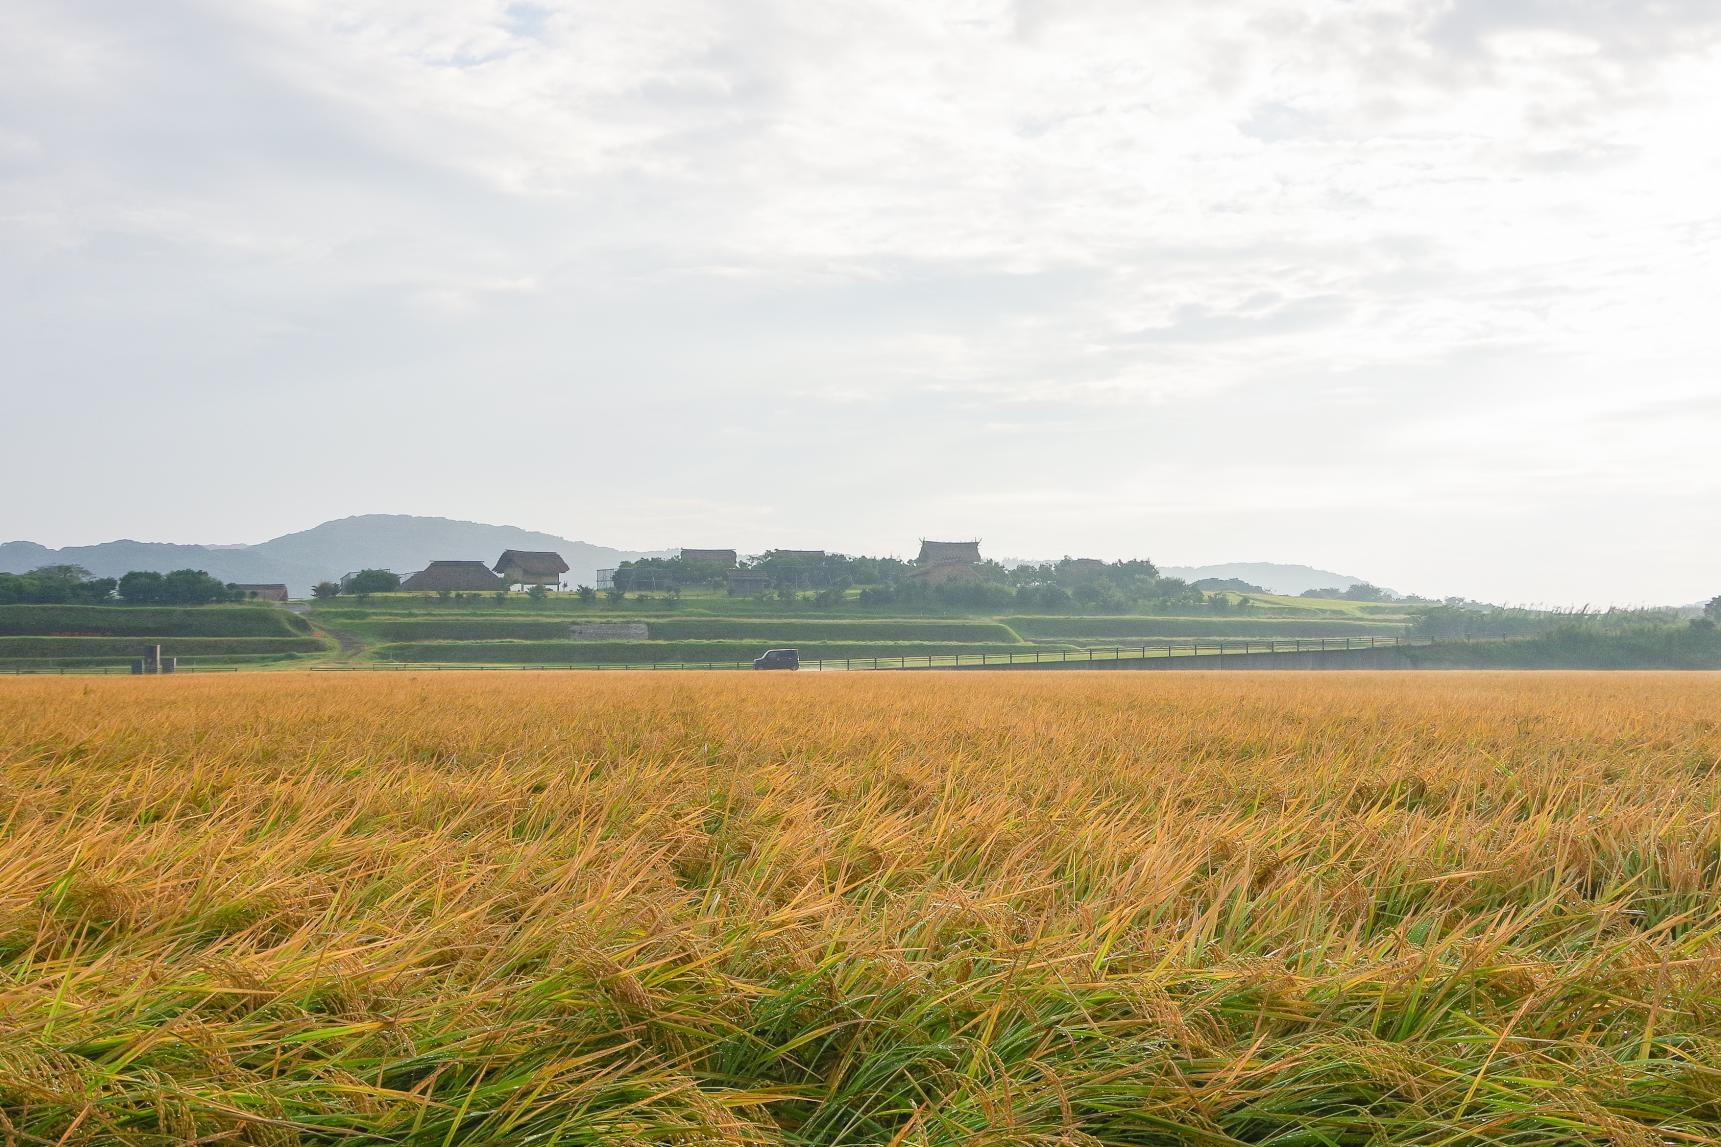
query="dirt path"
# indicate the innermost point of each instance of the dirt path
(351, 646)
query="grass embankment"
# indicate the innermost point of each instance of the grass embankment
(1668, 647)
(1242, 626)
(127, 648)
(775, 630)
(1283, 606)
(458, 628)
(810, 911)
(149, 621)
(703, 603)
(640, 652)
(792, 629)
(94, 636)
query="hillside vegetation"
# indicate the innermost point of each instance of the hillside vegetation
(826, 911)
(149, 621)
(1661, 647)
(1114, 629)
(596, 652)
(127, 648)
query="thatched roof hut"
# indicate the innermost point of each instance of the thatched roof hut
(531, 567)
(748, 583)
(932, 553)
(728, 559)
(453, 575)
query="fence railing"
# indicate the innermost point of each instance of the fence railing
(1173, 647)
(105, 670)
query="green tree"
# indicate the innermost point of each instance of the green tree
(68, 574)
(181, 587)
(1713, 610)
(324, 590)
(373, 581)
(52, 585)
(586, 594)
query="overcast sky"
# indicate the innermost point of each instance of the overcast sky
(1420, 290)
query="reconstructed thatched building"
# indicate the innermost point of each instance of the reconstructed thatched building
(748, 583)
(438, 576)
(931, 553)
(531, 567)
(947, 563)
(728, 559)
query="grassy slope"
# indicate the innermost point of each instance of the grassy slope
(1680, 647)
(778, 630)
(127, 648)
(1239, 626)
(149, 621)
(810, 912)
(714, 627)
(595, 652)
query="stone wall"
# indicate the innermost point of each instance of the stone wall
(608, 631)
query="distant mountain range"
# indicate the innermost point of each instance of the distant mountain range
(400, 542)
(1270, 576)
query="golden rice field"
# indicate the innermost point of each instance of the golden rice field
(916, 909)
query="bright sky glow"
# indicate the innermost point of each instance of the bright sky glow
(1421, 290)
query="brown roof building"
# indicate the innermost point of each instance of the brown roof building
(263, 592)
(728, 559)
(947, 563)
(531, 567)
(932, 553)
(453, 575)
(748, 583)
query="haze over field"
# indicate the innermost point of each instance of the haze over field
(1422, 289)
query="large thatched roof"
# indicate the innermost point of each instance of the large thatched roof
(532, 563)
(933, 552)
(724, 558)
(453, 575)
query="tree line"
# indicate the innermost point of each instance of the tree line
(68, 584)
(826, 579)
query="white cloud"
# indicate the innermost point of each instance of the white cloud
(1426, 258)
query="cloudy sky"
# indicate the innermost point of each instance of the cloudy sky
(1421, 290)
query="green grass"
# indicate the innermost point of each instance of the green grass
(1669, 647)
(110, 665)
(640, 652)
(149, 621)
(1288, 606)
(791, 629)
(1231, 626)
(464, 628)
(780, 630)
(90, 649)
